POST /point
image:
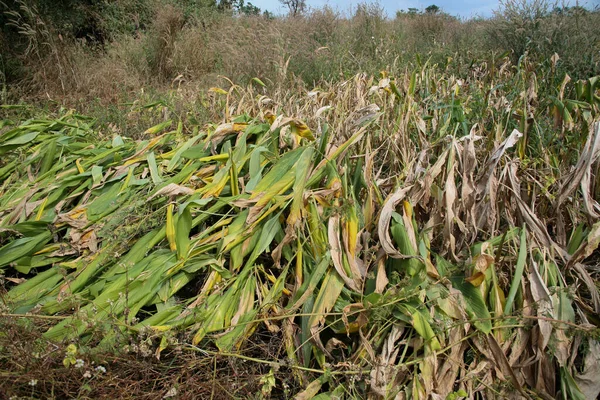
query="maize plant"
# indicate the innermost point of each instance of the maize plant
(398, 248)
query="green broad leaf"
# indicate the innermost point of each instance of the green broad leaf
(49, 156)
(43, 260)
(163, 292)
(96, 174)
(309, 285)
(563, 307)
(196, 264)
(569, 386)
(23, 265)
(421, 325)
(255, 160)
(476, 308)
(117, 141)
(276, 291)
(156, 129)
(302, 168)
(177, 282)
(268, 232)
(22, 139)
(283, 167)
(258, 81)
(496, 241)
(28, 228)
(518, 274)
(183, 226)
(196, 152)
(174, 162)
(23, 247)
(228, 341)
(163, 315)
(257, 129)
(22, 290)
(106, 203)
(444, 267)
(306, 345)
(239, 316)
(372, 299)
(251, 185)
(577, 237)
(7, 169)
(328, 295)
(97, 287)
(198, 203)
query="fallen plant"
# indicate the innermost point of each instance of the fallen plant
(405, 237)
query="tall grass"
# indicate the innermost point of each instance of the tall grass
(195, 45)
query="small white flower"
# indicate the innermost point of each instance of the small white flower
(87, 374)
(100, 369)
(33, 382)
(79, 363)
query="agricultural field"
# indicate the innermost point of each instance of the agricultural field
(421, 230)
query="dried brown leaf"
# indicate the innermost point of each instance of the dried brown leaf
(172, 190)
(590, 284)
(448, 370)
(383, 375)
(541, 296)
(311, 390)
(383, 227)
(590, 152)
(333, 233)
(223, 130)
(502, 363)
(588, 381)
(381, 280)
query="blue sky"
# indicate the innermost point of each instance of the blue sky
(465, 8)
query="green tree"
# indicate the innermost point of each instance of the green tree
(432, 9)
(247, 8)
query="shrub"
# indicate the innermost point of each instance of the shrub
(542, 28)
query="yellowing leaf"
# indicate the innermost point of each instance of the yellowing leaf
(476, 279)
(217, 90)
(171, 228)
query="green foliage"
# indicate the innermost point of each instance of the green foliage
(432, 9)
(247, 8)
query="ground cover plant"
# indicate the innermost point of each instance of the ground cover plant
(412, 235)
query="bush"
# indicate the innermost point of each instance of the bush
(542, 28)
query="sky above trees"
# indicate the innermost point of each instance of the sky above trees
(462, 8)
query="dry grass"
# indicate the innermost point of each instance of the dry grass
(321, 44)
(131, 374)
